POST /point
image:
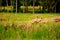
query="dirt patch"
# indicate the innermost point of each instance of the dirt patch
(57, 19)
(41, 20)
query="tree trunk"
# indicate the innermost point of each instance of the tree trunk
(43, 9)
(0, 5)
(55, 9)
(7, 2)
(23, 7)
(0, 2)
(48, 8)
(11, 5)
(33, 5)
(26, 6)
(16, 6)
(11, 2)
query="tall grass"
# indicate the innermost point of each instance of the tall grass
(42, 31)
(14, 27)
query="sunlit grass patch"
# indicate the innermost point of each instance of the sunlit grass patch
(14, 27)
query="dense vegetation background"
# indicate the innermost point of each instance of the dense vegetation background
(25, 6)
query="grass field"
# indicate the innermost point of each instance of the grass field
(14, 26)
(23, 18)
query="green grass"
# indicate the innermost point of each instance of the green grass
(45, 31)
(37, 31)
(23, 18)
